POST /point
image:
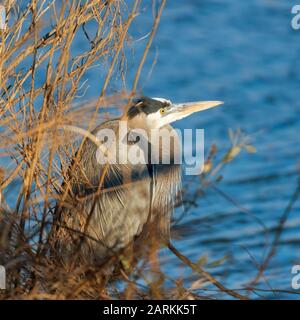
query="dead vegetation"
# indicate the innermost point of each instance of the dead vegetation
(43, 77)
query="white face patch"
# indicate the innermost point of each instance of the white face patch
(154, 120)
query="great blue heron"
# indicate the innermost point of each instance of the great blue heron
(115, 203)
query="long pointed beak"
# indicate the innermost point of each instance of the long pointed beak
(182, 110)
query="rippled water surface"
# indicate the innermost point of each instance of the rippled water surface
(246, 54)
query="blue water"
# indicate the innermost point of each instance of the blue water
(246, 54)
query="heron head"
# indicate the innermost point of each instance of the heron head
(154, 113)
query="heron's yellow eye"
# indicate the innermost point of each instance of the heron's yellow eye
(162, 110)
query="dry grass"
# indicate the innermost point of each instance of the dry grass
(42, 79)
